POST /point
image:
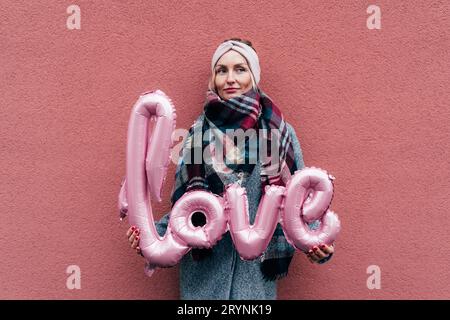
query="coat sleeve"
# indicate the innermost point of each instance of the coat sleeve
(298, 154)
(161, 224)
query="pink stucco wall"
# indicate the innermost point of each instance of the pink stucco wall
(369, 106)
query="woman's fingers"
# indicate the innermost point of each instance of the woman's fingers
(319, 253)
(133, 236)
(135, 243)
(313, 256)
(316, 254)
(130, 231)
(327, 249)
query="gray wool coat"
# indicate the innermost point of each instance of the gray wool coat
(223, 275)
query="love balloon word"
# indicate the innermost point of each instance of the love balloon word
(306, 198)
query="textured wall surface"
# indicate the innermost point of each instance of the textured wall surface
(369, 106)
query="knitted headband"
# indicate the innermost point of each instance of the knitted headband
(248, 52)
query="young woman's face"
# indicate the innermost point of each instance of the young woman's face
(232, 75)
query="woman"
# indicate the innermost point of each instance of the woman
(234, 101)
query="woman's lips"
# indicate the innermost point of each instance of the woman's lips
(230, 90)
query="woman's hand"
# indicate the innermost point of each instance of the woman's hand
(318, 253)
(133, 239)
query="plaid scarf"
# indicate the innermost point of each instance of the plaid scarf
(252, 110)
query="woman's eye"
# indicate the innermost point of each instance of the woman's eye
(238, 69)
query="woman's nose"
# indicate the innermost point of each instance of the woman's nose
(230, 77)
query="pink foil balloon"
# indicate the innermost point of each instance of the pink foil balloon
(298, 210)
(158, 153)
(165, 251)
(208, 204)
(158, 106)
(306, 198)
(252, 240)
(122, 203)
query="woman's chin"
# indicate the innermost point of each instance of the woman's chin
(227, 96)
